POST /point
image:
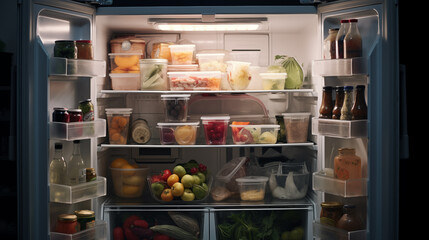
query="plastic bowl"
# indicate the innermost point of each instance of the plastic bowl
(118, 121)
(129, 183)
(252, 188)
(296, 127)
(273, 81)
(215, 129)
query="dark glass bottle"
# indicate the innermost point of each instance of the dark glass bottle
(339, 99)
(350, 221)
(325, 110)
(359, 109)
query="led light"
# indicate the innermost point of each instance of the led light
(208, 27)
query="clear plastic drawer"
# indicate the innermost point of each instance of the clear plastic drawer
(343, 188)
(98, 232)
(77, 130)
(78, 193)
(339, 128)
(329, 232)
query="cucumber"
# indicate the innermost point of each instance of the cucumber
(185, 222)
(174, 232)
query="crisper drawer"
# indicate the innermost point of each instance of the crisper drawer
(145, 223)
(261, 223)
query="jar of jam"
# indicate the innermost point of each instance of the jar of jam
(85, 219)
(331, 212)
(65, 49)
(60, 115)
(75, 115)
(84, 49)
(67, 223)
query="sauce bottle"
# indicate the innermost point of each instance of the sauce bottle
(350, 221)
(347, 165)
(329, 51)
(339, 99)
(325, 110)
(344, 27)
(346, 109)
(359, 109)
(353, 41)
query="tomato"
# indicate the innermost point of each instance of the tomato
(161, 237)
(167, 195)
(165, 174)
(129, 221)
(118, 233)
(172, 179)
(156, 178)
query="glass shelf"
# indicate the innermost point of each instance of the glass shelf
(343, 188)
(340, 67)
(329, 232)
(78, 193)
(77, 130)
(205, 145)
(212, 92)
(77, 67)
(339, 128)
(99, 232)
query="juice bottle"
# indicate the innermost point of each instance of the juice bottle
(344, 27)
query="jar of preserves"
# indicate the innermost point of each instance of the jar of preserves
(90, 174)
(346, 109)
(85, 219)
(65, 49)
(331, 212)
(329, 47)
(347, 165)
(87, 110)
(84, 49)
(67, 223)
(75, 115)
(339, 99)
(325, 110)
(60, 115)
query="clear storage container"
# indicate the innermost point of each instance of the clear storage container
(118, 121)
(175, 107)
(238, 74)
(296, 127)
(207, 80)
(215, 129)
(289, 181)
(153, 73)
(273, 81)
(252, 188)
(251, 134)
(225, 185)
(211, 61)
(125, 81)
(129, 182)
(124, 62)
(178, 133)
(182, 54)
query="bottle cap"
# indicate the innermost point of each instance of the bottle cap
(353, 20)
(344, 21)
(58, 146)
(348, 88)
(327, 88)
(339, 88)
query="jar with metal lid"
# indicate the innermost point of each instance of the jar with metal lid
(60, 115)
(331, 212)
(65, 49)
(90, 174)
(87, 110)
(140, 132)
(67, 223)
(84, 49)
(153, 73)
(85, 219)
(75, 115)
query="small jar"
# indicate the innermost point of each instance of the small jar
(85, 219)
(87, 110)
(91, 175)
(331, 212)
(60, 115)
(347, 165)
(350, 221)
(65, 49)
(75, 115)
(140, 132)
(84, 49)
(67, 224)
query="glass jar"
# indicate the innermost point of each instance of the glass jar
(67, 224)
(347, 165)
(329, 47)
(91, 175)
(65, 49)
(331, 212)
(60, 115)
(153, 74)
(353, 41)
(85, 219)
(350, 221)
(75, 115)
(87, 110)
(325, 110)
(346, 109)
(84, 49)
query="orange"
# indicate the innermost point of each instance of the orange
(115, 137)
(130, 190)
(122, 122)
(177, 189)
(167, 195)
(128, 170)
(172, 179)
(118, 163)
(126, 61)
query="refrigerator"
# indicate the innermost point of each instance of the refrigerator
(296, 29)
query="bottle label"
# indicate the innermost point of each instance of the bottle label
(89, 116)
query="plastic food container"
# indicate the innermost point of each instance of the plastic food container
(118, 121)
(211, 61)
(250, 134)
(289, 181)
(180, 81)
(273, 81)
(182, 54)
(153, 73)
(252, 188)
(215, 129)
(225, 185)
(124, 62)
(296, 127)
(238, 74)
(128, 45)
(175, 107)
(125, 81)
(178, 133)
(182, 68)
(129, 182)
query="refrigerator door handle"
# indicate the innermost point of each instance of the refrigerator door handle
(403, 122)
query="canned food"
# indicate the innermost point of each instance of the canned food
(85, 219)
(75, 115)
(65, 49)
(84, 49)
(67, 223)
(60, 115)
(87, 110)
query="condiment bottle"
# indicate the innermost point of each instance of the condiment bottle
(325, 110)
(353, 41)
(359, 109)
(347, 165)
(329, 48)
(58, 166)
(330, 213)
(76, 167)
(339, 99)
(350, 221)
(339, 41)
(346, 109)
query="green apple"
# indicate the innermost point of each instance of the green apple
(188, 195)
(204, 185)
(202, 176)
(179, 170)
(197, 179)
(157, 188)
(200, 191)
(187, 181)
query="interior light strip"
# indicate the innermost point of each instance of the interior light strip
(207, 27)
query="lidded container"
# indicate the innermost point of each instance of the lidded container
(118, 120)
(182, 54)
(195, 81)
(125, 62)
(129, 182)
(153, 74)
(289, 181)
(238, 74)
(215, 129)
(211, 61)
(250, 134)
(175, 107)
(273, 81)
(252, 188)
(184, 133)
(128, 45)
(296, 127)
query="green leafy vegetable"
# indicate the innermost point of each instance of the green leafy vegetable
(295, 75)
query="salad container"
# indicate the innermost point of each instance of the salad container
(251, 134)
(178, 133)
(153, 74)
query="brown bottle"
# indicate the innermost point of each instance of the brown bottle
(339, 99)
(359, 109)
(350, 221)
(325, 110)
(353, 41)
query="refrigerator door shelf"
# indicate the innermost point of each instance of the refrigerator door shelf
(339, 128)
(99, 232)
(343, 188)
(306, 144)
(77, 67)
(329, 232)
(340, 67)
(78, 193)
(207, 91)
(77, 130)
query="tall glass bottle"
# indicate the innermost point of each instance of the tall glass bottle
(339, 99)
(58, 166)
(325, 110)
(339, 41)
(353, 41)
(359, 109)
(346, 109)
(76, 167)
(329, 51)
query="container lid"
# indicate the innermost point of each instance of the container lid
(209, 54)
(195, 73)
(124, 54)
(67, 217)
(252, 179)
(176, 96)
(239, 62)
(273, 75)
(75, 110)
(179, 124)
(257, 126)
(131, 39)
(230, 169)
(182, 46)
(124, 75)
(215, 117)
(83, 41)
(84, 213)
(302, 114)
(153, 60)
(119, 110)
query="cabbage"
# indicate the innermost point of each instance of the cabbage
(294, 72)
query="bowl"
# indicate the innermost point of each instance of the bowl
(130, 182)
(289, 181)
(252, 188)
(215, 129)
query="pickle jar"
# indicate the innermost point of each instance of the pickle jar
(331, 212)
(65, 49)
